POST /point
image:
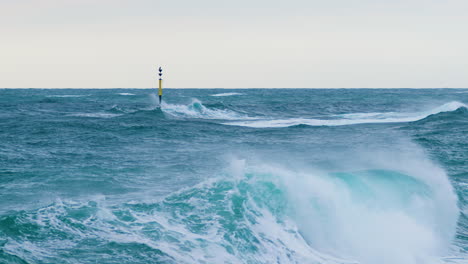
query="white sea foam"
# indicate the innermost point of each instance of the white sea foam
(96, 115)
(350, 119)
(197, 110)
(126, 94)
(68, 95)
(225, 94)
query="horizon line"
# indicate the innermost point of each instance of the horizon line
(149, 88)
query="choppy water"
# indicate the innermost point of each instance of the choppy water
(234, 176)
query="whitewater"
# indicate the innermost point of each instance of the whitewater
(342, 176)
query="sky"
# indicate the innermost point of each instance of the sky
(234, 44)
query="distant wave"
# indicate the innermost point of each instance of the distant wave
(126, 94)
(96, 115)
(350, 119)
(197, 110)
(68, 95)
(225, 94)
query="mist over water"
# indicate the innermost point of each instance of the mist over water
(236, 176)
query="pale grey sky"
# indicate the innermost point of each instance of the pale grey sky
(234, 44)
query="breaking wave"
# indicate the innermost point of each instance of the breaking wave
(350, 119)
(197, 110)
(256, 214)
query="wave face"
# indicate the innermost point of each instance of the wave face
(105, 178)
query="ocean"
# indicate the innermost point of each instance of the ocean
(329, 176)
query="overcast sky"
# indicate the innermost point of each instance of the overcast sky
(234, 44)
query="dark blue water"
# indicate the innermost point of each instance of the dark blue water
(234, 176)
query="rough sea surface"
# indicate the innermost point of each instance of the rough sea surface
(371, 176)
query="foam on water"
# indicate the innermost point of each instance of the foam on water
(350, 119)
(225, 94)
(96, 115)
(197, 110)
(68, 95)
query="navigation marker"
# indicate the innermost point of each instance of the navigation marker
(160, 85)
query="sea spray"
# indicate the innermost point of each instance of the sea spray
(264, 213)
(373, 216)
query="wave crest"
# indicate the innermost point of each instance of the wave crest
(351, 119)
(197, 110)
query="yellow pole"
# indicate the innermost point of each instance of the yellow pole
(160, 85)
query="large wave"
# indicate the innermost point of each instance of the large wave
(257, 213)
(350, 119)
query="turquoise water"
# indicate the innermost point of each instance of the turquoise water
(234, 176)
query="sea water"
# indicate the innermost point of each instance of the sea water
(234, 176)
